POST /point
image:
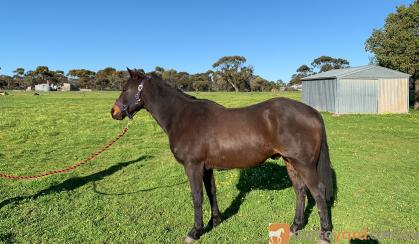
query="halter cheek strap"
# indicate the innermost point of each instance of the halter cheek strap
(124, 108)
(137, 96)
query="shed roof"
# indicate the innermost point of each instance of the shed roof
(366, 71)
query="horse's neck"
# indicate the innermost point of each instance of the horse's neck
(164, 104)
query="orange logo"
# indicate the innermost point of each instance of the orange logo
(279, 233)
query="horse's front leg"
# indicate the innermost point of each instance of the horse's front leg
(210, 187)
(195, 176)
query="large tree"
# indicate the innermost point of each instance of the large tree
(20, 72)
(83, 78)
(58, 77)
(6, 82)
(302, 71)
(169, 75)
(18, 76)
(396, 45)
(260, 84)
(41, 74)
(201, 81)
(110, 78)
(231, 70)
(326, 63)
(320, 64)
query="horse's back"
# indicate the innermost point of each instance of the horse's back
(245, 137)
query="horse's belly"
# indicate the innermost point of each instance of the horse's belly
(238, 157)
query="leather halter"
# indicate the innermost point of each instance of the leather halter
(124, 108)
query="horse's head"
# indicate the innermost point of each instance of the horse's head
(130, 100)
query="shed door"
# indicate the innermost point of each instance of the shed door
(393, 96)
(357, 96)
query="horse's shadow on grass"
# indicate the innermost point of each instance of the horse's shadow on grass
(268, 176)
(74, 183)
(368, 240)
(138, 191)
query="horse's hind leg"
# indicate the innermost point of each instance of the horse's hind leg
(311, 178)
(210, 187)
(300, 192)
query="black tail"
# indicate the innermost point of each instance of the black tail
(324, 169)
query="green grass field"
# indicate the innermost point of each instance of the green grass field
(137, 193)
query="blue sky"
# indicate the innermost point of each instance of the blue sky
(275, 36)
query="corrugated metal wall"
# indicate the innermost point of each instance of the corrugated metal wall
(320, 94)
(357, 96)
(393, 96)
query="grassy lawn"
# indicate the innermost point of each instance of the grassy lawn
(137, 192)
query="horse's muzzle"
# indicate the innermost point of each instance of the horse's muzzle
(117, 113)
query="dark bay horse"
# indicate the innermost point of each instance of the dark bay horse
(204, 135)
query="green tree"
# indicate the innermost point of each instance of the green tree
(326, 63)
(259, 84)
(302, 71)
(20, 72)
(231, 70)
(6, 82)
(43, 74)
(169, 75)
(40, 75)
(201, 81)
(106, 78)
(59, 77)
(110, 78)
(29, 78)
(159, 69)
(82, 77)
(18, 76)
(182, 81)
(396, 45)
(280, 83)
(320, 64)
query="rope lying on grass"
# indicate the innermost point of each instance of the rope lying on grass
(65, 170)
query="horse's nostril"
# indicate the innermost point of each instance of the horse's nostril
(115, 110)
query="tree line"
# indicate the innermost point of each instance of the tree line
(229, 73)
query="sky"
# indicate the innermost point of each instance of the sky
(276, 37)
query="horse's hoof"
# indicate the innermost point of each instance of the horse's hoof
(294, 230)
(189, 239)
(323, 242)
(216, 221)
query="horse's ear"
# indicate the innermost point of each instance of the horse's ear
(129, 72)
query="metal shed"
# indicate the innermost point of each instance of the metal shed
(365, 89)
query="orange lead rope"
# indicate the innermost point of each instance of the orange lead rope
(78, 164)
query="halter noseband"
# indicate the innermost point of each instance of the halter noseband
(124, 108)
